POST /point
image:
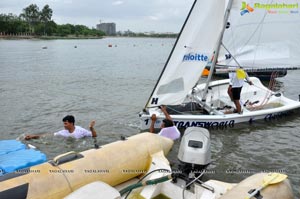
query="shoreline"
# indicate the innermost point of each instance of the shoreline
(30, 37)
(17, 37)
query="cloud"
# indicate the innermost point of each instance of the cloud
(154, 18)
(116, 3)
(136, 15)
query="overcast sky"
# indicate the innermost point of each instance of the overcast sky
(135, 15)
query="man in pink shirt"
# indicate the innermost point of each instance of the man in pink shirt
(70, 130)
(167, 127)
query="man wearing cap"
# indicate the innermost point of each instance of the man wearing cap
(167, 127)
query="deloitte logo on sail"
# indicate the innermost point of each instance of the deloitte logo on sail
(272, 8)
(195, 57)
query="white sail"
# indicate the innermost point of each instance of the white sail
(263, 33)
(193, 50)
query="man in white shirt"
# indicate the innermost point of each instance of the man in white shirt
(167, 127)
(71, 130)
(237, 77)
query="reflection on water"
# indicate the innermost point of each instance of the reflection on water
(38, 87)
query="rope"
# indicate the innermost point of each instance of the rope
(174, 110)
(269, 92)
(156, 170)
(69, 183)
(271, 86)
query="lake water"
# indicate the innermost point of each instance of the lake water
(38, 87)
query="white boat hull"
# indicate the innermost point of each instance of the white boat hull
(270, 105)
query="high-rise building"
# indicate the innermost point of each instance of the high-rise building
(107, 28)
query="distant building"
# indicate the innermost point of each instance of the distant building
(107, 28)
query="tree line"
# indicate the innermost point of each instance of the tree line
(33, 22)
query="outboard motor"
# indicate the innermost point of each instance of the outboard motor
(194, 151)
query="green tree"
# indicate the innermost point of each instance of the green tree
(45, 16)
(64, 30)
(51, 27)
(40, 23)
(12, 24)
(32, 15)
(4, 23)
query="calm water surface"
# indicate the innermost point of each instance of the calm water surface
(38, 87)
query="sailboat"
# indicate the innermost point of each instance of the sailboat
(229, 33)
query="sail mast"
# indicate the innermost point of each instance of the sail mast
(166, 64)
(217, 49)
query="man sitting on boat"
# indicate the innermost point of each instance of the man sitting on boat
(237, 77)
(70, 130)
(167, 126)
